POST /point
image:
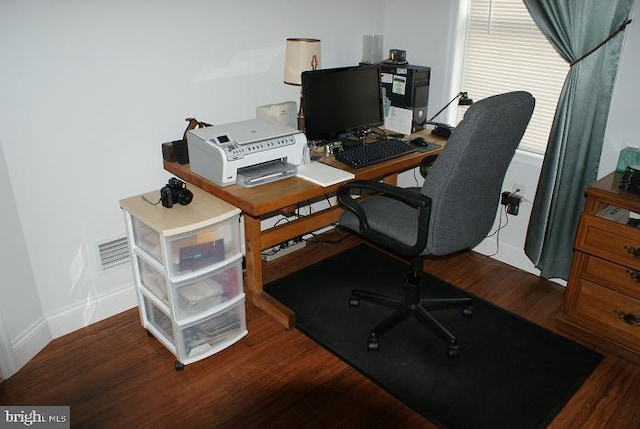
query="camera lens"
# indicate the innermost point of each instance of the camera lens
(185, 196)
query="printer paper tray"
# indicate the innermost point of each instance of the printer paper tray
(266, 172)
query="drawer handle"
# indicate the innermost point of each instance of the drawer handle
(635, 275)
(628, 318)
(633, 251)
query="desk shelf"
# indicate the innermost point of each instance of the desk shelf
(187, 268)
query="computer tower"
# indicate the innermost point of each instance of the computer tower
(407, 87)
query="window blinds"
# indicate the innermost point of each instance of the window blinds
(505, 51)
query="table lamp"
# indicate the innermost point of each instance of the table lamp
(445, 130)
(301, 54)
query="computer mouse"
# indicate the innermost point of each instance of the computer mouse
(419, 141)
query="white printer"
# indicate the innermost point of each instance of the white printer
(249, 152)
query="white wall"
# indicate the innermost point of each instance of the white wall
(89, 92)
(623, 127)
(427, 31)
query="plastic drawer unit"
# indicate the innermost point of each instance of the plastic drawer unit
(187, 267)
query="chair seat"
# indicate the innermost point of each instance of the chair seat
(387, 216)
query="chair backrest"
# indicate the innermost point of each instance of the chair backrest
(466, 179)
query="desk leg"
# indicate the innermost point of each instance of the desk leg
(391, 179)
(253, 248)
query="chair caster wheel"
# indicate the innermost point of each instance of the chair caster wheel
(453, 351)
(354, 301)
(179, 366)
(467, 310)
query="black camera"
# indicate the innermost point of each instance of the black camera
(175, 192)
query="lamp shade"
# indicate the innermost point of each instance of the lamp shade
(300, 55)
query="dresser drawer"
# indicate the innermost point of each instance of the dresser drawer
(147, 239)
(200, 249)
(152, 279)
(214, 333)
(609, 240)
(599, 308)
(194, 297)
(618, 277)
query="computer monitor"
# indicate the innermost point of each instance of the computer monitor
(341, 101)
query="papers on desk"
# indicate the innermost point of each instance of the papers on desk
(399, 120)
(323, 174)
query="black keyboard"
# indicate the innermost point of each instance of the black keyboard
(372, 153)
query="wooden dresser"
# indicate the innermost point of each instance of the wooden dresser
(601, 305)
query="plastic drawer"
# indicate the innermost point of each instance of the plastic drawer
(214, 333)
(153, 280)
(159, 320)
(201, 248)
(202, 294)
(147, 238)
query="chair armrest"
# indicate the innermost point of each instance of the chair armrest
(408, 196)
(411, 198)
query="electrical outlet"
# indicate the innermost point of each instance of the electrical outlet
(521, 192)
(283, 248)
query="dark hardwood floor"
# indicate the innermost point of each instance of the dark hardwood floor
(113, 375)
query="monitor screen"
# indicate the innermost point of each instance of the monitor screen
(341, 100)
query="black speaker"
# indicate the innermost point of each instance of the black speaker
(181, 151)
(167, 152)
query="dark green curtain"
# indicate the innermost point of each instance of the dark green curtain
(589, 35)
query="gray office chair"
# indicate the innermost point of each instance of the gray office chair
(453, 211)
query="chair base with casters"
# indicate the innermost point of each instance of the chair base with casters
(412, 305)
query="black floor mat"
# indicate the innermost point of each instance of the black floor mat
(510, 373)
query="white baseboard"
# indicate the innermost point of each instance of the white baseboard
(8, 365)
(91, 311)
(508, 254)
(511, 255)
(32, 341)
(29, 344)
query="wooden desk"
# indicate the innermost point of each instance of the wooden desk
(270, 199)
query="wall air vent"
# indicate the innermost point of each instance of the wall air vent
(113, 253)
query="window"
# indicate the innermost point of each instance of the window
(505, 51)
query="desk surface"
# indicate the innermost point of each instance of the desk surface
(270, 197)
